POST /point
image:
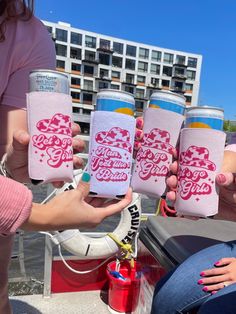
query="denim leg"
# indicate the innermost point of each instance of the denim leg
(179, 292)
(224, 301)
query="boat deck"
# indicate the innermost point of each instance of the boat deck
(60, 303)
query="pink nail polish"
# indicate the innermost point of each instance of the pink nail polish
(217, 263)
(200, 281)
(202, 273)
(139, 123)
(221, 178)
(205, 289)
(213, 292)
(138, 134)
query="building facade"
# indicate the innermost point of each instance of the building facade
(93, 62)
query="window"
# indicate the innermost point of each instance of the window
(140, 93)
(143, 53)
(188, 87)
(86, 111)
(75, 95)
(129, 78)
(117, 62)
(141, 79)
(49, 28)
(142, 66)
(165, 83)
(90, 41)
(131, 51)
(88, 85)
(130, 64)
(155, 68)
(105, 44)
(114, 86)
(76, 67)
(155, 81)
(61, 50)
(87, 98)
(139, 105)
(60, 64)
(129, 89)
(156, 55)
(180, 59)
(191, 75)
(178, 86)
(168, 57)
(90, 55)
(192, 62)
(115, 74)
(84, 127)
(104, 73)
(167, 71)
(75, 53)
(76, 38)
(188, 98)
(179, 72)
(61, 34)
(89, 70)
(104, 59)
(76, 110)
(118, 47)
(103, 85)
(75, 81)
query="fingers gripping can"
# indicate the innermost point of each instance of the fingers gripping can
(43, 80)
(205, 117)
(168, 100)
(117, 101)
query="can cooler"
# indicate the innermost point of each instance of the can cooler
(110, 153)
(50, 151)
(161, 132)
(200, 159)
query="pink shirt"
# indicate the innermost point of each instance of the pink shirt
(27, 46)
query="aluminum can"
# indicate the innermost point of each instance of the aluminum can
(117, 101)
(43, 80)
(168, 100)
(205, 117)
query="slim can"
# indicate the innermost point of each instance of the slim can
(168, 100)
(205, 117)
(43, 80)
(116, 101)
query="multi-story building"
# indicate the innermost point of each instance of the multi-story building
(93, 62)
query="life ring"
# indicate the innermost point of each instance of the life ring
(84, 246)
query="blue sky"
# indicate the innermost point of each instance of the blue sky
(206, 27)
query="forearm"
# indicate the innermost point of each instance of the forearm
(15, 205)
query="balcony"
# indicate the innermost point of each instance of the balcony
(179, 76)
(128, 82)
(180, 63)
(89, 89)
(140, 97)
(177, 89)
(105, 48)
(103, 78)
(90, 60)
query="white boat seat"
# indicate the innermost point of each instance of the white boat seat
(179, 238)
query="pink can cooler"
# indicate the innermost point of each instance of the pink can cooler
(161, 132)
(50, 148)
(200, 159)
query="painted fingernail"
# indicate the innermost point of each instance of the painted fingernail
(200, 281)
(139, 134)
(139, 123)
(86, 177)
(137, 145)
(217, 263)
(213, 292)
(205, 289)
(221, 178)
(202, 273)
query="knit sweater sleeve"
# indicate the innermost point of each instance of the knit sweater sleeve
(15, 205)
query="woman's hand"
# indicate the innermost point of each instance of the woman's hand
(73, 209)
(223, 274)
(17, 155)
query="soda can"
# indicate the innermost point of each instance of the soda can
(117, 101)
(205, 117)
(43, 80)
(168, 100)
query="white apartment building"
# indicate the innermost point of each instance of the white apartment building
(94, 61)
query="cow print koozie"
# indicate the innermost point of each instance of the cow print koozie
(50, 149)
(110, 153)
(200, 158)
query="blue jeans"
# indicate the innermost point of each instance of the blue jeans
(179, 292)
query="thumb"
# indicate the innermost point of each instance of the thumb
(20, 140)
(84, 185)
(225, 178)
